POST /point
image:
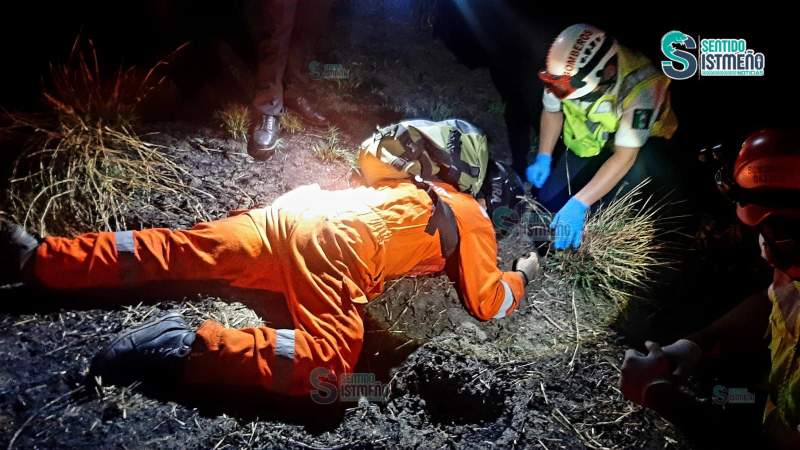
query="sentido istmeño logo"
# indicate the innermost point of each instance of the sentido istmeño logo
(715, 57)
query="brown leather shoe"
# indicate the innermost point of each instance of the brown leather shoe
(264, 138)
(303, 108)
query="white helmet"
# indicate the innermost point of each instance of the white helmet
(576, 59)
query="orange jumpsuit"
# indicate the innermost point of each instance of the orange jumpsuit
(326, 251)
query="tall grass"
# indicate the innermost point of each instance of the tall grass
(83, 167)
(624, 245)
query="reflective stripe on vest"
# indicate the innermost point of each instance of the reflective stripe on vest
(638, 76)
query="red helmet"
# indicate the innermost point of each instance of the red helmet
(767, 174)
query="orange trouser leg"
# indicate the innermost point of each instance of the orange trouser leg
(321, 264)
(230, 250)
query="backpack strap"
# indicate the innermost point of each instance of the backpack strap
(442, 218)
(451, 166)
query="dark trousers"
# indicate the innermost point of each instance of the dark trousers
(286, 32)
(570, 173)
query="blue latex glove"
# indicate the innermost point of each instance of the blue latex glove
(568, 224)
(538, 172)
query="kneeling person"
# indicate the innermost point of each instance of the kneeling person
(612, 108)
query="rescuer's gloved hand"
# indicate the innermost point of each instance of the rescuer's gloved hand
(538, 172)
(568, 224)
(528, 266)
(639, 371)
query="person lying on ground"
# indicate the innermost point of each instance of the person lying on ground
(328, 252)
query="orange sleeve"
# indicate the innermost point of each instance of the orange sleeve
(487, 292)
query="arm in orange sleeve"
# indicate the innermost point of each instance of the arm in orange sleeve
(487, 292)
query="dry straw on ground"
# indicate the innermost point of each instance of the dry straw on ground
(331, 148)
(292, 123)
(83, 167)
(235, 120)
(623, 246)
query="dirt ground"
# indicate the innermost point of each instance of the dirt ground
(544, 378)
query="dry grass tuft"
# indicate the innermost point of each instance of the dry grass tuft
(292, 123)
(235, 120)
(332, 149)
(83, 167)
(623, 246)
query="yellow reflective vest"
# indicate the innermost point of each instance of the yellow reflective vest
(587, 130)
(783, 405)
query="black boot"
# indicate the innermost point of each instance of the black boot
(153, 351)
(264, 138)
(17, 248)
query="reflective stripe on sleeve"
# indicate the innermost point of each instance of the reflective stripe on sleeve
(284, 343)
(126, 257)
(124, 241)
(508, 301)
